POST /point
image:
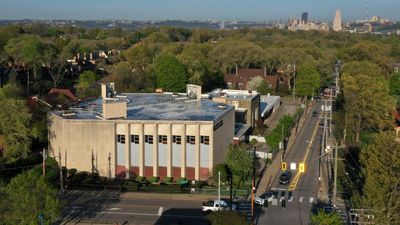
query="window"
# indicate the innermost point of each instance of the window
(135, 139)
(205, 140)
(191, 140)
(121, 138)
(148, 139)
(162, 139)
(176, 139)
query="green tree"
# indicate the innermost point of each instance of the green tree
(239, 161)
(259, 84)
(224, 217)
(26, 50)
(14, 127)
(394, 84)
(224, 173)
(86, 86)
(382, 163)
(322, 218)
(138, 56)
(126, 79)
(367, 99)
(171, 74)
(27, 196)
(307, 80)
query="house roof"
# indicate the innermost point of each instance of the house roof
(63, 91)
(245, 75)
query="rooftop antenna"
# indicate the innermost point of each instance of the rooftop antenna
(366, 9)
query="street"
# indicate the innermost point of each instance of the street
(108, 207)
(301, 195)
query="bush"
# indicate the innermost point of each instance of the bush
(140, 179)
(154, 180)
(227, 217)
(182, 180)
(168, 180)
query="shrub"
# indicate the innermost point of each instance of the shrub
(154, 180)
(182, 180)
(168, 180)
(140, 179)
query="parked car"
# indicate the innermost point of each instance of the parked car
(314, 113)
(217, 205)
(266, 196)
(285, 177)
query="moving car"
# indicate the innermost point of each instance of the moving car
(285, 177)
(315, 114)
(266, 196)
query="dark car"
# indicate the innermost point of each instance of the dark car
(285, 177)
(315, 114)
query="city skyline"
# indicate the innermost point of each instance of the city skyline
(252, 10)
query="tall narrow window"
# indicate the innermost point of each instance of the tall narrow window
(148, 139)
(176, 139)
(121, 138)
(135, 139)
(191, 140)
(162, 139)
(205, 140)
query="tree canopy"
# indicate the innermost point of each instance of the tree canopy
(382, 163)
(27, 197)
(171, 74)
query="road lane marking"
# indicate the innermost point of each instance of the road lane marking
(293, 184)
(160, 210)
(115, 209)
(301, 199)
(136, 214)
(311, 199)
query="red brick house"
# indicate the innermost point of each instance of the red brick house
(239, 79)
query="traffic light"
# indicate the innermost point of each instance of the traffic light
(284, 166)
(301, 167)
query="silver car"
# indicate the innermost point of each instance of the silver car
(269, 196)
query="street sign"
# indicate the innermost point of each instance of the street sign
(301, 167)
(284, 166)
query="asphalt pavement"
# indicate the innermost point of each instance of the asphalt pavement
(296, 201)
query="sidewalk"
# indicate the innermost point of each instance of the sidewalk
(273, 169)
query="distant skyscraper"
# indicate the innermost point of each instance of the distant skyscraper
(304, 17)
(337, 22)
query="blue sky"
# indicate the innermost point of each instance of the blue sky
(254, 10)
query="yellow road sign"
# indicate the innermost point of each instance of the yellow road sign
(284, 166)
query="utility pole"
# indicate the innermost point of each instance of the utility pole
(294, 81)
(61, 175)
(335, 177)
(44, 162)
(253, 186)
(219, 187)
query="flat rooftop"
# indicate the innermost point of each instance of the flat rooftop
(152, 106)
(233, 94)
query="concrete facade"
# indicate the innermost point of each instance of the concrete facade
(128, 147)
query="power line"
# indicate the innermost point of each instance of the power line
(24, 157)
(19, 167)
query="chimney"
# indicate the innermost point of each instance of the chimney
(78, 56)
(91, 56)
(265, 71)
(84, 56)
(236, 70)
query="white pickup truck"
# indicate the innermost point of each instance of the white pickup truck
(216, 205)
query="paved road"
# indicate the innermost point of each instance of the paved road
(301, 195)
(108, 207)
